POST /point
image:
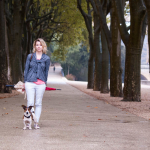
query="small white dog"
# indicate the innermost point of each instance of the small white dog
(28, 117)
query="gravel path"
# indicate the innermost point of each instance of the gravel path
(141, 109)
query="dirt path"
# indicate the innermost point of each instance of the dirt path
(140, 109)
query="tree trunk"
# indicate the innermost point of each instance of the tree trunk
(97, 72)
(29, 39)
(24, 46)
(132, 74)
(3, 57)
(132, 84)
(105, 57)
(7, 54)
(15, 39)
(68, 70)
(105, 64)
(90, 66)
(102, 16)
(16, 54)
(88, 23)
(115, 58)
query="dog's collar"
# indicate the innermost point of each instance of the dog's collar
(27, 117)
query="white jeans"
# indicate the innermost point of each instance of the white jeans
(37, 91)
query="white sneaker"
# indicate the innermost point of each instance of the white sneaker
(36, 126)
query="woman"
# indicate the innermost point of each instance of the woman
(35, 75)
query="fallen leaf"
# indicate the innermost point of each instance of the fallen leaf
(2, 97)
(99, 119)
(6, 113)
(11, 110)
(116, 116)
(88, 106)
(4, 108)
(95, 107)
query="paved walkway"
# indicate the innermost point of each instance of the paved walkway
(72, 120)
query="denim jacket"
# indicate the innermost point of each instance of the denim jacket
(36, 69)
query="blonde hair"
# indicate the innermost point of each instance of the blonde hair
(43, 43)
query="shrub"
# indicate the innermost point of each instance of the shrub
(70, 77)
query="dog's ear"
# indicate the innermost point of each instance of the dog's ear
(30, 107)
(23, 106)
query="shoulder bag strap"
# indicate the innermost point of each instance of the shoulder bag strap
(31, 57)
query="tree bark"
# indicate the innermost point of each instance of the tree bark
(105, 56)
(90, 65)
(24, 46)
(102, 16)
(115, 58)
(7, 54)
(29, 38)
(16, 53)
(15, 39)
(3, 57)
(132, 84)
(105, 64)
(132, 79)
(97, 72)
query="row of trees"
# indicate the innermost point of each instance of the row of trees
(23, 21)
(132, 37)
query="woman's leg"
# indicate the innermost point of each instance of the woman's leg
(40, 89)
(30, 90)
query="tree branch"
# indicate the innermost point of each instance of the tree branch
(86, 16)
(121, 21)
(109, 7)
(103, 22)
(35, 18)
